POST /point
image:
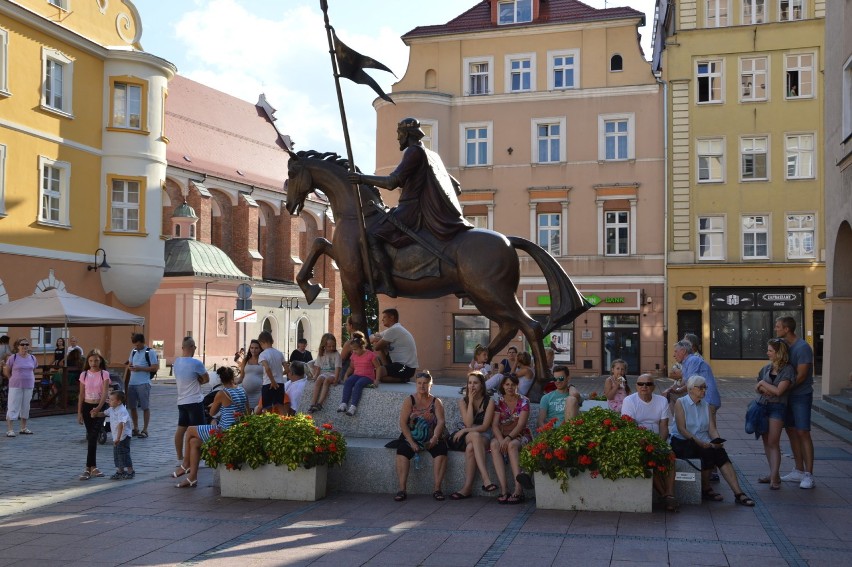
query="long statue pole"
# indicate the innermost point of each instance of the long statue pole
(362, 229)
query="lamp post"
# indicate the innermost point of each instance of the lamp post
(288, 303)
(204, 330)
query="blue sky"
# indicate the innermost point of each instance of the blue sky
(279, 47)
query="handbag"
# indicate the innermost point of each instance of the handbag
(459, 445)
(419, 430)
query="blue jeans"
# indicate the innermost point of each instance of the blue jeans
(353, 387)
(121, 454)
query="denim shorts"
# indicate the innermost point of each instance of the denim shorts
(798, 415)
(776, 410)
(139, 396)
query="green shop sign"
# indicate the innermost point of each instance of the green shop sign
(593, 299)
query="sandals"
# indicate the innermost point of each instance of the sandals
(711, 496)
(86, 475)
(460, 496)
(400, 496)
(764, 480)
(672, 504)
(143, 434)
(503, 499)
(25, 432)
(439, 496)
(743, 500)
(187, 484)
(516, 498)
(10, 433)
(97, 473)
(183, 472)
(490, 488)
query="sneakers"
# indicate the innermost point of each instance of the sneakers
(351, 411)
(794, 476)
(128, 475)
(117, 476)
(807, 481)
(341, 408)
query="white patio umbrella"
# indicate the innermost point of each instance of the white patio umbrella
(55, 308)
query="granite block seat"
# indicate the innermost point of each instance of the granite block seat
(688, 481)
(369, 466)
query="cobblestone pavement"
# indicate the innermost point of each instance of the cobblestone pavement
(48, 517)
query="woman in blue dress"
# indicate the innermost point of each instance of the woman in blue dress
(230, 402)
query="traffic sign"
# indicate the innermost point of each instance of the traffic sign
(244, 291)
(244, 316)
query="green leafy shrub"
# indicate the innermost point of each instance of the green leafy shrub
(269, 438)
(601, 442)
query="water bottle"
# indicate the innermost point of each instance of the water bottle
(417, 464)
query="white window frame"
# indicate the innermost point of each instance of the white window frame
(489, 140)
(630, 117)
(705, 149)
(64, 191)
(515, 12)
(4, 62)
(127, 110)
(796, 232)
(800, 68)
(712, 73)
(617, 226)
(846, 132)
(753, 232)
(743, 152)
(430, 141)
(551, 230)
(125, 206)
(466, 69)
(2, 180)
(551, 68)
(753, 7)
(61, 4)
(755, 75)
(478, 221)
(791, 4)
(559, 121)
(511, 58)
(715, 229)
(714, 10)
(793, 143)
(52, 55)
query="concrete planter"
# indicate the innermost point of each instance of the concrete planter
(594, 494)
(275, 483)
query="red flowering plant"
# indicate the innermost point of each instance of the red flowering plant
(269, 438)
(598, 441)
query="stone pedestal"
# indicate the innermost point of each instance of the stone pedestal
(594, 494)
(275, 483)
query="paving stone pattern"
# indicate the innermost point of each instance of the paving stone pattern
(48, 517)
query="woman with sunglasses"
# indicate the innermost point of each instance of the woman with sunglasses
(694, 436)
(20, 370)
(773, 385)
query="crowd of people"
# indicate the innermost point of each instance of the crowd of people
(494, 410)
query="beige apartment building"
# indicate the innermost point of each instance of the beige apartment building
(551, 119)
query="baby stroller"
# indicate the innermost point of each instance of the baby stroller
(207, 401)
(116, 384)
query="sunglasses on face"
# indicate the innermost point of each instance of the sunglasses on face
(648, 384)
(23, 344)
(560, 378)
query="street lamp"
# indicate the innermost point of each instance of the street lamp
(288, 303)
(204, 331)
(102, 265)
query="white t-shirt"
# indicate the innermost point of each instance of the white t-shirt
(275, 359)
(294, 389)
(187, 370)
(116, 416)
(401, 345)
(647, 414)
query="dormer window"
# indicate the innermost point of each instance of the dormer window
(514, 11)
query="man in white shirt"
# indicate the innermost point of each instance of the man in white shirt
(295, 384)
(272, 360)
(396, 349)
(72, 345)
(142, 364)
(190, 374)
(651, 411)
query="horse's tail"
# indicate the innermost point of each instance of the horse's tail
(566, 303)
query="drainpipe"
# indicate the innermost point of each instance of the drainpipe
(664, 84)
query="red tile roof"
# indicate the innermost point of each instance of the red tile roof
(478, 18)
(222, 134)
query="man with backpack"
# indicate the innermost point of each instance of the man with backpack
(143, 365)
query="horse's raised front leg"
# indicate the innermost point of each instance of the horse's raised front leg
(318, 248)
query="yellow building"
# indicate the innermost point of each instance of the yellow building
(745, 207)
(82, 156)
(551, 119)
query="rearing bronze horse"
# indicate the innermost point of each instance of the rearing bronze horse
(486, 266)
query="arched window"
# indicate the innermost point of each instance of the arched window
(177, 230)
(616, 63)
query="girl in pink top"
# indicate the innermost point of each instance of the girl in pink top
(94, 388)
(361, 373)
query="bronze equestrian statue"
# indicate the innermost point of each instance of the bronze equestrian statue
(424, 248)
